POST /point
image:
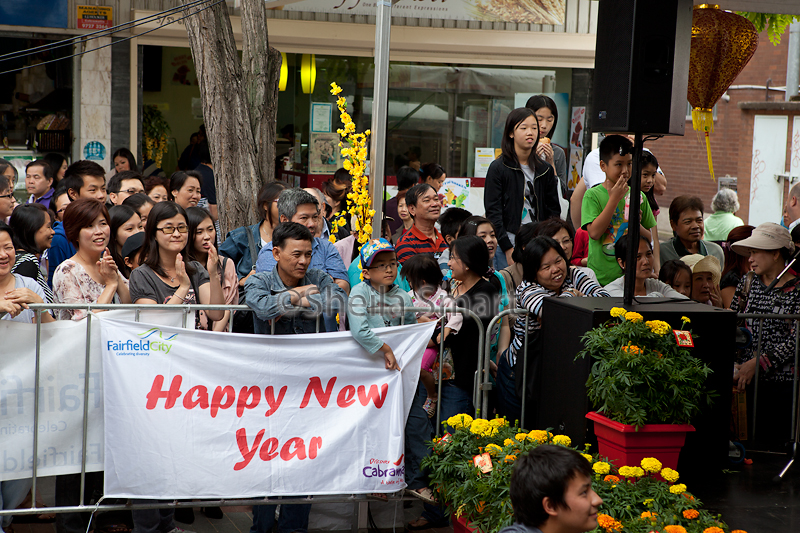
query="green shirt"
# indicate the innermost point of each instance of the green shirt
(601, 251)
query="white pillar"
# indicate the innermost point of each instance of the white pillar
(94, 137)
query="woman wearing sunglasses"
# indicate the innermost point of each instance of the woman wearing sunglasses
(164, 277)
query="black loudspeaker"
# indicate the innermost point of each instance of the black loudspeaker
(641, 67)
(562, 404)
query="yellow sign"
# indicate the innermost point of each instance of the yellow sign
(95, 17)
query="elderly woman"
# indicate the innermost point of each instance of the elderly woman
(719, 224)
(768, 249)
(706, 275)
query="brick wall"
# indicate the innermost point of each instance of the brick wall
(684, 160)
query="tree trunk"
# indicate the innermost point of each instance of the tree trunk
(239, 106)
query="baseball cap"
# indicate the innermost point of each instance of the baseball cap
(133, 244)
(373, 248)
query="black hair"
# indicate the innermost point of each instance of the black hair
(127, 154)
(683, 203)
(268, 194)
(450, 221)
(514, 119)
(55, 160)
(422, 270)
(202, 152)
(544, 472)
(470, 226)
(115, 182)
(4, 164)
(47, 170)
(553, 225)
(621, 247)
(6, 228)
(5, 183)
(73, 177)
(431, 170)
(136, 201)
(194, 217)
(26, 220)
(669, 270)
(539, 101)
(533, 254)
(413, 194)
(473, 252)
(178, 180)
(648, 159)
(342, 176)
(524, 235)
(614, 145)
(59, 190)
(150, 251)
(117, 216)
(407, 177)
(290, 230)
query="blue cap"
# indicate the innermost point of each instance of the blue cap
(373, 248)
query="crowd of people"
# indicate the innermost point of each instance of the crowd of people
(80, 239)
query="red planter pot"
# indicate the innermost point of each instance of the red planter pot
(461, 525)
(627, 446)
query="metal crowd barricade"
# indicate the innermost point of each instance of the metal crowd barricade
(185, 309)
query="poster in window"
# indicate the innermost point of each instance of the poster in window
(577, 127)
(323, 153)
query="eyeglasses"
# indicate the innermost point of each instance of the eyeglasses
(11, 195)
(170, 230)
(132, 191)
(384, 266)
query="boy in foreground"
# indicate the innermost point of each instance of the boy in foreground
(551, 491)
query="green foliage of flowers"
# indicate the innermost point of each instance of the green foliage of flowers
(775, 24)
(484, 498)
(640, 375)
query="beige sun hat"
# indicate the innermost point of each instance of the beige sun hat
(700, 263)
(767, 236)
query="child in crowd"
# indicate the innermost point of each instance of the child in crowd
(131, 250)
(605, 208)
(449, 223)
(677, 275)
(423, 274)
(551, 492)
(649, 165)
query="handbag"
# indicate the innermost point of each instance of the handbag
(243, 320)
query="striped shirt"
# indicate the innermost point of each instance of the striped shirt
(530, 296)
(415, 242)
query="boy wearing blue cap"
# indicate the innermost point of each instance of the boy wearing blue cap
(379, 268)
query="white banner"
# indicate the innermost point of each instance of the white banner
(193, 414)
(62, 367)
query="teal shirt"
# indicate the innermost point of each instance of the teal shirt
(363, 296)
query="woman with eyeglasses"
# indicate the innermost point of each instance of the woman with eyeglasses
(164, 277)
(7, 201)
(33, 234)
(89, 276)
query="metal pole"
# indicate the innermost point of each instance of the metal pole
(380, 96)
(755, 378)
(36, 374)
(633, 221)
(85, 441)
(793, 61)
(524, 371)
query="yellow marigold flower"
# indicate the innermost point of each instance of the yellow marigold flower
(686, 319)
(713, 529)
(335, 89)
(493, 449)
(611, 479)
(659, 327)
(601, 468)
(587, 457)
(459, 421)
(609, 523)
(648, 515)
(648, 502)
(498, 422)
(631, 471)
(680, 488)
(691, 514)
(563, 440)
(651, 464)
(538, 435)
(490, 431)
(670, 475)
(632, 316)
(478, 426)
(521, 436)
(510, 458)
(618, 311)
(675, 529)
(508, 442)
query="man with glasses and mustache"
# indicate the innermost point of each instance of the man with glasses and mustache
(124, 184)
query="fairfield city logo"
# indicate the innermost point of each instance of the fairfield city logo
(152, 340)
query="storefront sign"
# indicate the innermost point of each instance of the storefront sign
(94, 151)
(483, 158)
(520, 11)
(297, 414)
(576, 131)
(455, 193)
(95, 17)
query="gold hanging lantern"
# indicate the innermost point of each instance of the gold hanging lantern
(722, 44)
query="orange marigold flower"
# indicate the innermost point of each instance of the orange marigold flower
(713, 529)
(675, 529)
(738, 531)
(688, 496)
(649, 515)
(609, 523)
(691, 514)
(611, 479)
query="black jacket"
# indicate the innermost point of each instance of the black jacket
(503, 196)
